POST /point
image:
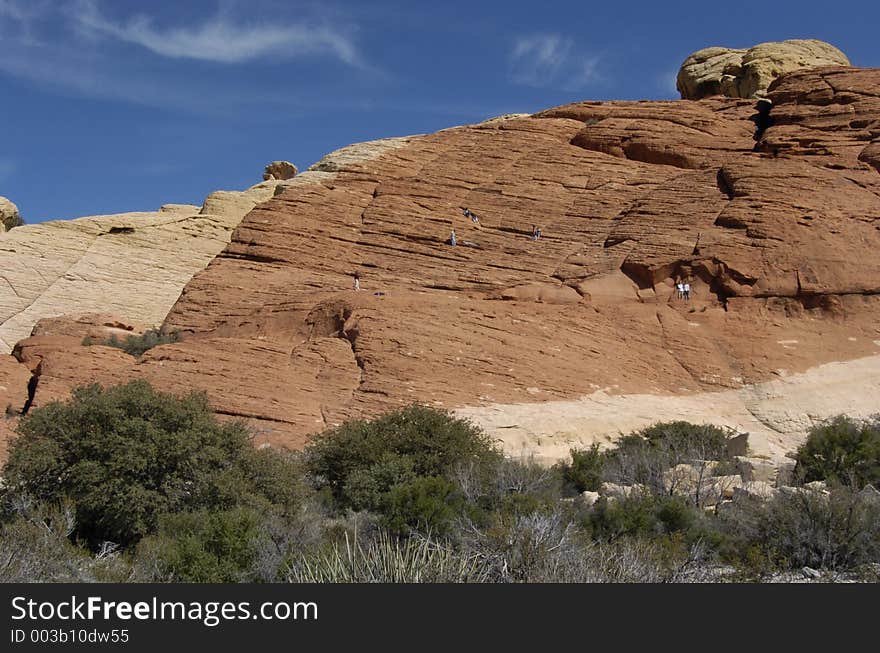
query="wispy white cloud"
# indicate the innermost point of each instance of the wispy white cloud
(73, 48)
(535, 59)
(542, 60)
(221, 38)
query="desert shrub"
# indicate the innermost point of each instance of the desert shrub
(524, 547)
(645, 456)
(36, 548)
(509, 486)
(645, 515)
(427, 504)
(203, 547)
(127, 454)
(355, 460)
(136, 345)
(683, 437)
(842, 450)
(795, 529)
(585, 471)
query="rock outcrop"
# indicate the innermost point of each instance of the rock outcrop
(282, 170)
(748, 73)
(776, 238)
(8, 214)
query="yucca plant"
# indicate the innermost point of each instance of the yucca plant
(387, 560)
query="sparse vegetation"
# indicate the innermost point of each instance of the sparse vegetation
(137, 345)
(130, 484)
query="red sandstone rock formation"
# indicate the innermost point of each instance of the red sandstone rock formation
(778, 239)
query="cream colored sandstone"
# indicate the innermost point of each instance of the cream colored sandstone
(777, 414)
(133, 264)
(742, 73)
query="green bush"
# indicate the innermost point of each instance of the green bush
(136, 345)
(358, 460)
(425, 504)
(585, 471)
(644, 456)
(127, 454)
(684, 440)
(366, 489)
(842, 451)
(646, 515)
(203, 547)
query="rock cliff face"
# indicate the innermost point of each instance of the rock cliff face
(776, 238)
(133, 264)
(748, 73)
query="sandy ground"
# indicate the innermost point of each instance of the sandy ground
(777, 414)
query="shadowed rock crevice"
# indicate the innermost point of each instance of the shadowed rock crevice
(32, 388)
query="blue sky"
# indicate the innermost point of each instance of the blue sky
(123, 105)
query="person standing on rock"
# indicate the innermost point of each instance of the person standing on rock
(357, 281)
(687, 292)
(452, 238)
(679, 289)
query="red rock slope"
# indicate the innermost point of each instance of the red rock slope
(778, 239)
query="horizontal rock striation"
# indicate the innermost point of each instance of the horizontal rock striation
(775, 237)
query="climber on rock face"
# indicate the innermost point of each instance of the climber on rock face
(357, 281)
(470, 214)
(536, 232)
(452, 238)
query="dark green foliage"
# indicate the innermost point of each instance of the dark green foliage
(204, 547)
(585, 471)
(426, 504)
(842, 451)
(366, 488)
(682, 438)
(136, 345)
(359, 460)
(127, 454)
(644, 515)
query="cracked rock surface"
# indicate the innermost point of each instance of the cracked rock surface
(777, 238)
